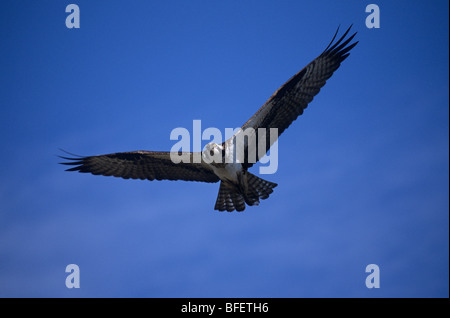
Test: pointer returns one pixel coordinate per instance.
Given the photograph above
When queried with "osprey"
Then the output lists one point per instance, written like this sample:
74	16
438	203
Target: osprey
238	186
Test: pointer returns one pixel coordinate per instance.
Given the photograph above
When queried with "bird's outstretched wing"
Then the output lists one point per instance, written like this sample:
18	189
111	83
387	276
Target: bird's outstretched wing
289	101
150	165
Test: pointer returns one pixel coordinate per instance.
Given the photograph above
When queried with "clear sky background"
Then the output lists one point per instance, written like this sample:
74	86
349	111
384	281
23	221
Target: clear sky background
363	174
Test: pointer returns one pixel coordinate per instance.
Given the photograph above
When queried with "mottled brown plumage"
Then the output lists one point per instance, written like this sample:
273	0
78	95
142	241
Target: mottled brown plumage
238	187
150	165
289	101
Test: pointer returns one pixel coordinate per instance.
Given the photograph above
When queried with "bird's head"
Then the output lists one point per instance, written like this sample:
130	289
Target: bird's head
213	153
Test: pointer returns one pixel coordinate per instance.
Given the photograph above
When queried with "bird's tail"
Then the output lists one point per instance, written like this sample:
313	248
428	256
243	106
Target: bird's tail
230	198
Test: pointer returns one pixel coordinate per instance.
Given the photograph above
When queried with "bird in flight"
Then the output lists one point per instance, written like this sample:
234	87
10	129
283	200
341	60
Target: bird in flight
229	162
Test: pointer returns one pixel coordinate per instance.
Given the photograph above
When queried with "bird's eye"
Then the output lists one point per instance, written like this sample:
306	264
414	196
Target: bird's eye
211	152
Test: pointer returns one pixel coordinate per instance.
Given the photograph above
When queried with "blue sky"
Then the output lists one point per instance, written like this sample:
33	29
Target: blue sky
363	174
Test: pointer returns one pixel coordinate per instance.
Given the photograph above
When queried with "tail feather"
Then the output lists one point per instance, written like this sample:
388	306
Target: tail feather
258	188
230	198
